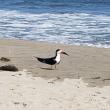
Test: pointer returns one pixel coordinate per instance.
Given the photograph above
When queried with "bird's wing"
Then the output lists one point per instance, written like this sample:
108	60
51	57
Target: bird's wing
46	60
41	59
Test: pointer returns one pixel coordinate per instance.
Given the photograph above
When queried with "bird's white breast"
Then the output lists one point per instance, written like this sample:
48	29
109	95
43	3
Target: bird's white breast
57	59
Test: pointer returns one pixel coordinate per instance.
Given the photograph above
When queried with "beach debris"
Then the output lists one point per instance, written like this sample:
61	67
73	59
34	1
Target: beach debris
24	104
98	77
98	92
9	68
16	103
12	89
4	59
106	79
13	75
19	74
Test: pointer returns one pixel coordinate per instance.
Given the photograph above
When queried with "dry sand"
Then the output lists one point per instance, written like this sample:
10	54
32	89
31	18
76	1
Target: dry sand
80	82
19	91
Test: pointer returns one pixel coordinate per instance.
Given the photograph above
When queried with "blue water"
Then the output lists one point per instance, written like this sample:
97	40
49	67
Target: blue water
81	22
57	6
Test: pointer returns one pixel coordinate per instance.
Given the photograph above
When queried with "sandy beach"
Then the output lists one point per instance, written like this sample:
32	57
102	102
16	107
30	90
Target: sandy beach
80	82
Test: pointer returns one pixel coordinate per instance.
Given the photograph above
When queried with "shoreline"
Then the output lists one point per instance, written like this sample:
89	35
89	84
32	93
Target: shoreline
89	63
46	42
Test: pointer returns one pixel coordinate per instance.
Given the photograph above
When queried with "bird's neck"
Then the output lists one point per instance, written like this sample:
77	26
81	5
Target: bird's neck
57	57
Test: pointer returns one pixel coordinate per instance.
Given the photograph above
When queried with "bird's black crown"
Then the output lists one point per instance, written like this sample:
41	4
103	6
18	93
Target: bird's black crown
58	50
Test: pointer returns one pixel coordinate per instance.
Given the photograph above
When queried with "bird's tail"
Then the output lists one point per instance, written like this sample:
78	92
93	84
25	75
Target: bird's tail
40	59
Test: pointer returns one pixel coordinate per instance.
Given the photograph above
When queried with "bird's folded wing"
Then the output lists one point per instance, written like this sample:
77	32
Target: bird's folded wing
41	59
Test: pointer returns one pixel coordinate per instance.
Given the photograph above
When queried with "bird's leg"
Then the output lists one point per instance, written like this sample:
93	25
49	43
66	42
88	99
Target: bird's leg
55	66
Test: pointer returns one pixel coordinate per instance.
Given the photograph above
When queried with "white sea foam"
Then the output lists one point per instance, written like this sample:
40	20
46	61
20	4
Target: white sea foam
75	28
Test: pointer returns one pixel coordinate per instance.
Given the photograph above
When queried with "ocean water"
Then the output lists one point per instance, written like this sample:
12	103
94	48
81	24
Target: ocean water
79	22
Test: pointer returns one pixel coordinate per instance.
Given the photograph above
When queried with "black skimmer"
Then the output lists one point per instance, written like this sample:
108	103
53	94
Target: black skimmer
52	60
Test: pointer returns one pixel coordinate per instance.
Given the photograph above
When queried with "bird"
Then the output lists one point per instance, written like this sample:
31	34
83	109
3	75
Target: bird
53	60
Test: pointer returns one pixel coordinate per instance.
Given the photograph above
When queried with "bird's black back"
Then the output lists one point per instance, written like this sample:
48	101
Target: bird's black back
50	61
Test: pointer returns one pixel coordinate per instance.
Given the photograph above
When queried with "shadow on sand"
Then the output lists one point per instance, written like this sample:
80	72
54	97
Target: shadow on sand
46	68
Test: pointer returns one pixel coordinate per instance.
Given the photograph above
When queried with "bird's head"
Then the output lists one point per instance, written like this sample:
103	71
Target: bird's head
60	51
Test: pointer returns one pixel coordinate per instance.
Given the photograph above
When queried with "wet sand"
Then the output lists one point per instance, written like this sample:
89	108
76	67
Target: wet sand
91	64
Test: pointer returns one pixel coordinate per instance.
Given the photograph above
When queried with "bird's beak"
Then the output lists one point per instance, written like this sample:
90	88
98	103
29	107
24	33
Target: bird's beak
64	53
